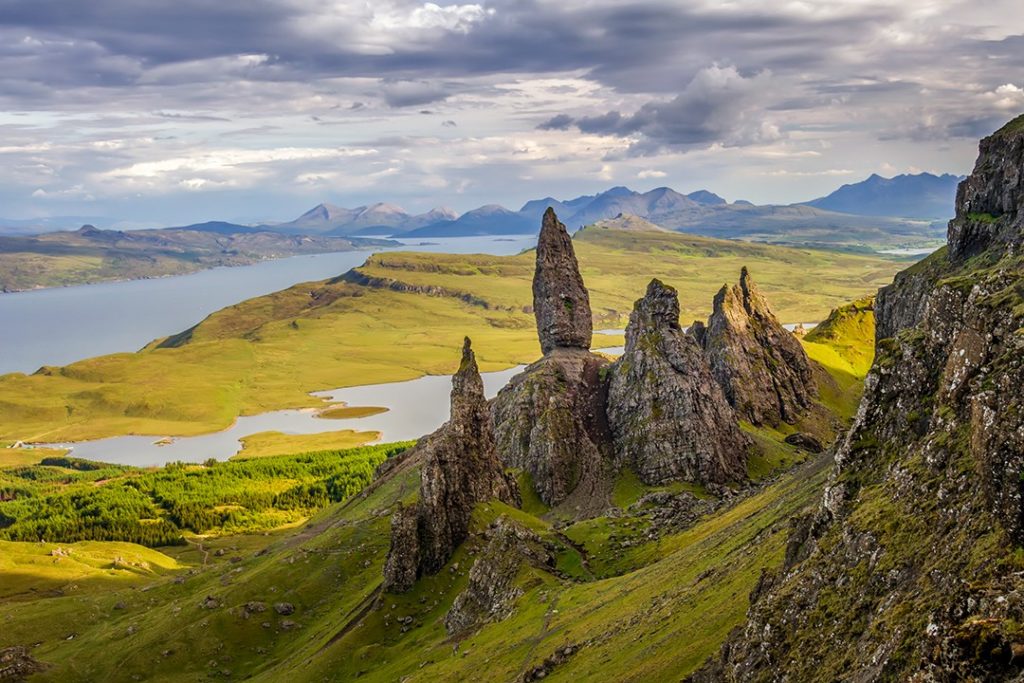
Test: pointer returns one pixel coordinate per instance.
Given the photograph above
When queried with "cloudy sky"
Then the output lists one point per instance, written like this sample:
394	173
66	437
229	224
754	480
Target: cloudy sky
172	111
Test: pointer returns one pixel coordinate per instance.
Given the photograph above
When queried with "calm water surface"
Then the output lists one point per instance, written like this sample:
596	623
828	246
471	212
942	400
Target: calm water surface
415	408
59	326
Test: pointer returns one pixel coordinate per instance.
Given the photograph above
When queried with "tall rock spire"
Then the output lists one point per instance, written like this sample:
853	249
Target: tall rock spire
762	368
668	416
460	469
560	301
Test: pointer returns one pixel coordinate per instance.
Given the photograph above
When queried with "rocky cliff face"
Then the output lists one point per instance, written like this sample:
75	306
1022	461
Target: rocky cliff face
459	469
910	568
668	416
761	367
989	201
560	301
550	422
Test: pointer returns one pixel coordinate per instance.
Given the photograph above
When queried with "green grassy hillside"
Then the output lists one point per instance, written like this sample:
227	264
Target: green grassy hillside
216	617
269	352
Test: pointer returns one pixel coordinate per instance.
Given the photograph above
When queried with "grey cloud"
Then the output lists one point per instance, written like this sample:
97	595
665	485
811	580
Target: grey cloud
413	93
718	105
557	122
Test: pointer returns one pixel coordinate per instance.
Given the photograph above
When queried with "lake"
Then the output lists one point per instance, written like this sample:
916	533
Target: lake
415	408
62	325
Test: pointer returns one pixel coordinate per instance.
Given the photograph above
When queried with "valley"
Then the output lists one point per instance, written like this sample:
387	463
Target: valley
512	342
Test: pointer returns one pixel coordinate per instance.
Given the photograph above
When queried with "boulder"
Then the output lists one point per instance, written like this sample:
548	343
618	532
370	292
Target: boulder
491	592
807	442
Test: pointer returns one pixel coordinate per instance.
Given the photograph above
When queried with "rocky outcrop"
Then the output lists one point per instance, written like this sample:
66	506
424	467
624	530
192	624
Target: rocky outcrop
492	590
560	301
761	367
990	201
550	419
16	664
459	469
402	567
909	569
550	422
668	416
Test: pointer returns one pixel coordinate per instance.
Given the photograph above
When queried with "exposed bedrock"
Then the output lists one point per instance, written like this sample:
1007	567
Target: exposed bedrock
668	416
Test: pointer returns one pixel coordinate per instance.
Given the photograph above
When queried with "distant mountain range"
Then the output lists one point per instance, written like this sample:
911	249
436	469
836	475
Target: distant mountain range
924	195
876	211
376	219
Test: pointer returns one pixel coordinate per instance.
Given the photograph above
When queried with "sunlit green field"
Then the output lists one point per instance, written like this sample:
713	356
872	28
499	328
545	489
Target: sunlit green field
268	353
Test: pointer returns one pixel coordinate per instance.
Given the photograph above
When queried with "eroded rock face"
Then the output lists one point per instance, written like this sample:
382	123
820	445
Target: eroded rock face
990	201
402	567
560	301
550	421
459	469
761	367
668	416
492	592
926	503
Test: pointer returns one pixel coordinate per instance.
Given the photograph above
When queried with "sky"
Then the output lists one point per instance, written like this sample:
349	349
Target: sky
168	112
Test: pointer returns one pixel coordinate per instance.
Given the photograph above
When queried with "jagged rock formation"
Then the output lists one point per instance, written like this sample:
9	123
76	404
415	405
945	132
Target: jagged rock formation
492	591
560	301
763	370
459	469
550	419
910	567
668	416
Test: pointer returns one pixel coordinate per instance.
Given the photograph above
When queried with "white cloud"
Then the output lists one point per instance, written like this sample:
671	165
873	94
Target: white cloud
643	175
227	159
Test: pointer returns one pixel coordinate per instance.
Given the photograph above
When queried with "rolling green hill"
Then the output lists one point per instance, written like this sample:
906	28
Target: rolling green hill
298	605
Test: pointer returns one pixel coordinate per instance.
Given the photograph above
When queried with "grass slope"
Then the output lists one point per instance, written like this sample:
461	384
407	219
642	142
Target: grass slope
269	352
654	622
68	499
